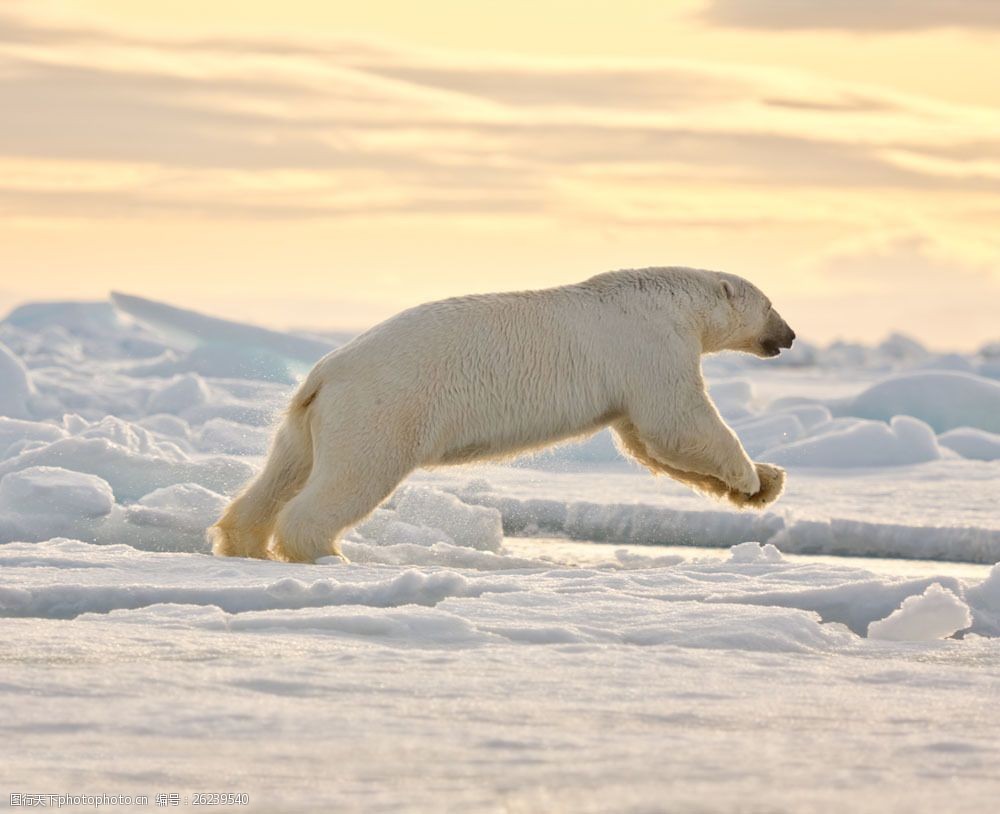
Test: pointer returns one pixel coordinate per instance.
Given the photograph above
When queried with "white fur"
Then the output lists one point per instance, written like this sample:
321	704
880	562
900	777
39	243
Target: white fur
482	377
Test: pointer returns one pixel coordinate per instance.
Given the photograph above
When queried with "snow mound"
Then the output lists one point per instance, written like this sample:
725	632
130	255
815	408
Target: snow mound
51	490
131	460
429	628
902	348
943	399
764	432
949	361
111	482
991	350
984	598
863	538
85	319
221	360
180	394
44	501
423	516
810	416
17	435
186	506
40	503
189	329
903	441
846	596
987	593
937	613
629	560
440	554
69	600
754	553
971	443
16	387
79	329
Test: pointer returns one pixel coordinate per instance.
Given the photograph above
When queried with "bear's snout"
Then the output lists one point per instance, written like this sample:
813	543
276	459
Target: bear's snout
787	339
779	335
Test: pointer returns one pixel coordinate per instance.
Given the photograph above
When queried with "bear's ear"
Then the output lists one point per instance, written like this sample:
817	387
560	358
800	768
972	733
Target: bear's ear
728	290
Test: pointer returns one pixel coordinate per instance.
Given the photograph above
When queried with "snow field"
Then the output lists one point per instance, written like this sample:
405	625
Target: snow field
535	687
68	579
439	666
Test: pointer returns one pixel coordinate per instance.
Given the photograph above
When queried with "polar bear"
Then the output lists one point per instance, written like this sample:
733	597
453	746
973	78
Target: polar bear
490	376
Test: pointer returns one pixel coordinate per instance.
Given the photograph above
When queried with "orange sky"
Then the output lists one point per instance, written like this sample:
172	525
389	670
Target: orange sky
325	164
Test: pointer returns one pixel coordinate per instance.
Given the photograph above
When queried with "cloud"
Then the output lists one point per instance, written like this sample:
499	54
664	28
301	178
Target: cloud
669	87
908	281
233	127
883	263
855	15
128	205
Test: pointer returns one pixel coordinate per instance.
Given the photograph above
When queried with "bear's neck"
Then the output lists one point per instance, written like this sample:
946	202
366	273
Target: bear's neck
714	338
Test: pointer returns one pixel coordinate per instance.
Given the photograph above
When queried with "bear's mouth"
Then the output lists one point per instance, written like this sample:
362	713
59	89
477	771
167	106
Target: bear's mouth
772	346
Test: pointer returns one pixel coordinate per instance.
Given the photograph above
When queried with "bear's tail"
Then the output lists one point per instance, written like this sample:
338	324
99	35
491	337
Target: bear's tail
245	528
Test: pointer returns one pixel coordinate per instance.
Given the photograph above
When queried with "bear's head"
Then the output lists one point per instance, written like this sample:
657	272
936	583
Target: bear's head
744	319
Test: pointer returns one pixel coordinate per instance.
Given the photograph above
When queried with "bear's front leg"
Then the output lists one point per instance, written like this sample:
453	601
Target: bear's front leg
689	441
632	443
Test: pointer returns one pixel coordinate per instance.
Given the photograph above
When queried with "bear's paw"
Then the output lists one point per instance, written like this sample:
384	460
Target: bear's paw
772	484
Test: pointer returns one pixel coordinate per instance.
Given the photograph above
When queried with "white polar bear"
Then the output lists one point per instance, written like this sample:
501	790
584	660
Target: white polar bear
484	377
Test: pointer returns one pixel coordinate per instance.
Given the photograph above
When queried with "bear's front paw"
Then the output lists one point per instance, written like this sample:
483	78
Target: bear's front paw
772	484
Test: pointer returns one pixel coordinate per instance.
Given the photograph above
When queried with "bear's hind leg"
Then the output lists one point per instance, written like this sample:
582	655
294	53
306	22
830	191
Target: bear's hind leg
239	533
336	497
245	527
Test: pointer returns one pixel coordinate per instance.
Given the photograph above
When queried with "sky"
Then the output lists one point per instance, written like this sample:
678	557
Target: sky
326	164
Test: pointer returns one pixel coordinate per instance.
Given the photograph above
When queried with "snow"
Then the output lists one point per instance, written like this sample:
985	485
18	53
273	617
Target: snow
44	501
132	468
463	524
940	510
232	437
183	506
190	330
754	552
477	687
220	360
179	394
935	614
17	435
943	399
137	405
453	666
972	443
16	388
732	397
904	440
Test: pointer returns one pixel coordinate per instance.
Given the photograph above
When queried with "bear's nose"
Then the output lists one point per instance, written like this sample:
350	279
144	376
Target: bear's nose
789	338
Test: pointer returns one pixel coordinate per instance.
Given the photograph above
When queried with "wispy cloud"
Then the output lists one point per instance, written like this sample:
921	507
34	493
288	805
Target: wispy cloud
855	15
363	153
221	127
